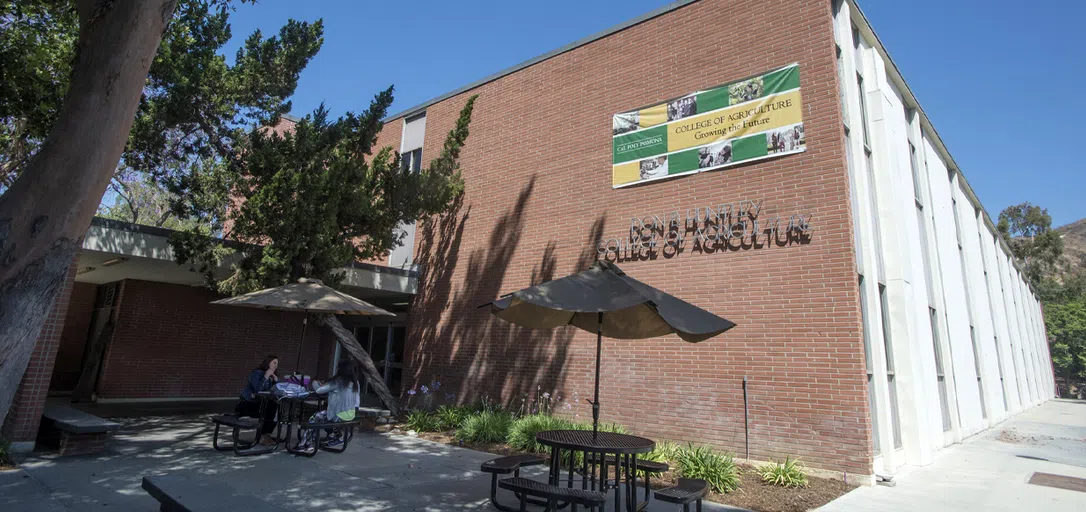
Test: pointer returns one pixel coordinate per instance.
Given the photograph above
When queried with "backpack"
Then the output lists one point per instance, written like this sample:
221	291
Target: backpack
289	390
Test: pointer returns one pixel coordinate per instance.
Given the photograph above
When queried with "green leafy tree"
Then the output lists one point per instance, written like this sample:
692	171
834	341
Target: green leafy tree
136	198
193	106
1066	325
1028	230
309	200
37	45
86	92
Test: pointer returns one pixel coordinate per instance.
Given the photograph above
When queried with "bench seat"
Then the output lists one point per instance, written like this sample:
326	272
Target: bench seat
347	427
554	494
510	464
649	467
70	419
685	492
236	424
504	466
178	493
231	420
74	432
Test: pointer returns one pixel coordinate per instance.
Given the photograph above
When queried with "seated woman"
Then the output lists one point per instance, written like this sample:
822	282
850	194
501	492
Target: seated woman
342	390
262	378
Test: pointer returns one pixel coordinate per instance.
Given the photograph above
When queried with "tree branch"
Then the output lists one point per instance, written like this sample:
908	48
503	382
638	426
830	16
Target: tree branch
117	185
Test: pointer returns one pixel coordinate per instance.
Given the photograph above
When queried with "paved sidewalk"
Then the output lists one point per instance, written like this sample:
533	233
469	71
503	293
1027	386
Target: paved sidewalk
377	472
991	470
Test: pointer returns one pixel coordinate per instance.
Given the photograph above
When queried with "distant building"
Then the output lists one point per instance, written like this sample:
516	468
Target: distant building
772	167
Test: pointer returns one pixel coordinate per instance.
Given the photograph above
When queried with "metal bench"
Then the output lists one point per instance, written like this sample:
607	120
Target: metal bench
75	432
685	492
348	427
183	494
504	466
649	467
554	494
237	424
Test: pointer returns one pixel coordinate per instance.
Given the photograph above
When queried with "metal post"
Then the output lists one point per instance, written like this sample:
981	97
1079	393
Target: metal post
596	399
301	344
746	417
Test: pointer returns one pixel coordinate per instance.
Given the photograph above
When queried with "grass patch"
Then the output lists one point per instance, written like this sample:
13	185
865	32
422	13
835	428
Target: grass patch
784	474
486	427
5	454
522	434
423	421
451	417
719	470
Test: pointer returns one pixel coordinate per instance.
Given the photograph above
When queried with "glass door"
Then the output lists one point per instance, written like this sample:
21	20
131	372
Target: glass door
385	345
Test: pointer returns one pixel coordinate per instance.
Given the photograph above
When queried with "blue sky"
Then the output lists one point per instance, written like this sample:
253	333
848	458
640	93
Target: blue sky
996	77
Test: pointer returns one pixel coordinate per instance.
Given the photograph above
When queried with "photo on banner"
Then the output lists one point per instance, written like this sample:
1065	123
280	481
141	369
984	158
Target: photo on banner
742	121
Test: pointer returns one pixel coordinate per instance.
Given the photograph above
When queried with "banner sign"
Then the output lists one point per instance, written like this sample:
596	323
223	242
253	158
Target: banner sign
756	118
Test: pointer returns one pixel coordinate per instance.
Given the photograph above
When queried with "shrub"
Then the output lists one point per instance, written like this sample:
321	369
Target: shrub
423	421
522	434
451	416
486	427
486	405
5	452
665	451
604	427
719	470
785	474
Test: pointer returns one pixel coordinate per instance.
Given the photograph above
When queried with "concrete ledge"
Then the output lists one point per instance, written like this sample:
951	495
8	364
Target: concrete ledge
22	446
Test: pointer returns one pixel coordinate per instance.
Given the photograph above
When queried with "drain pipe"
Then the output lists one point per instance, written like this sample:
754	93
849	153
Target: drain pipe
746	417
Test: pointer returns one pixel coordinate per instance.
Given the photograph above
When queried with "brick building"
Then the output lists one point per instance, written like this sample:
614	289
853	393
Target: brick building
879	316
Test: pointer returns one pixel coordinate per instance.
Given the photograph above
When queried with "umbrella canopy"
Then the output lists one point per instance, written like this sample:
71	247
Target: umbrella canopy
604	300
634	310
305	296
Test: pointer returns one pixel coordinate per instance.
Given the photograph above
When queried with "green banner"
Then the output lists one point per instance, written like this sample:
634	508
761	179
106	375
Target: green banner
757	117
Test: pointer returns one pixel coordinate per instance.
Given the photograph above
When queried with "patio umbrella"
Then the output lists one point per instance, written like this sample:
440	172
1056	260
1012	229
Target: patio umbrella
305	296
604	300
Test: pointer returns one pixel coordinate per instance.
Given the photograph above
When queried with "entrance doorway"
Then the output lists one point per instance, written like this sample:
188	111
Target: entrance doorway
385	344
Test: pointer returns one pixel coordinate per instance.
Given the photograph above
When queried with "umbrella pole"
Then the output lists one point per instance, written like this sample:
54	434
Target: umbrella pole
301	344
596	399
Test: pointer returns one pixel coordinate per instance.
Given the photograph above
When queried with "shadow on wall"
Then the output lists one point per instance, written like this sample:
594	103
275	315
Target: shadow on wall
474	355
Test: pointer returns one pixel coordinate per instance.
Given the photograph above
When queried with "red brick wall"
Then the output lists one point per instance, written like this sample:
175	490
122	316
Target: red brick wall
169	341
538	198
73	339
25	414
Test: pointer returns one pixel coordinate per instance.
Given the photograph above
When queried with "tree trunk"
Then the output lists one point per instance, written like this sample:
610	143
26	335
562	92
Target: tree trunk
377	383
46	212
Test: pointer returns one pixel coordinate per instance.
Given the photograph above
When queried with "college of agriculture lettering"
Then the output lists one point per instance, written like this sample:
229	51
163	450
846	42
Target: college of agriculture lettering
751	119
735	225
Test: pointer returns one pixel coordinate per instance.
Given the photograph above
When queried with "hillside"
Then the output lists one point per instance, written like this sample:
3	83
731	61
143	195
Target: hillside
1074	245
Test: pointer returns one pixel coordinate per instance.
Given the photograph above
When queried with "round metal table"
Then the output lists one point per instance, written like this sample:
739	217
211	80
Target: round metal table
596	448
295	410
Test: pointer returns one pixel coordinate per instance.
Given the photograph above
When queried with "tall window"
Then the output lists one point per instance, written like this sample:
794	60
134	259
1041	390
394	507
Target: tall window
870	364
1007	314
411	160
921	221
976	364
968	302
991	305
940	375
884	306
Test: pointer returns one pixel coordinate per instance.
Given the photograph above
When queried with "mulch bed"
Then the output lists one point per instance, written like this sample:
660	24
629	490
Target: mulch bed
752	494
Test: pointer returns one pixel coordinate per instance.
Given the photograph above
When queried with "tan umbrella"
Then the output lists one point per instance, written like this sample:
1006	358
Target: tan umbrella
305	296
634	310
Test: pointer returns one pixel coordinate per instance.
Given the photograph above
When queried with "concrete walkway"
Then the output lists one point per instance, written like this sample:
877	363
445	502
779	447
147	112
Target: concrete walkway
378	472
991	470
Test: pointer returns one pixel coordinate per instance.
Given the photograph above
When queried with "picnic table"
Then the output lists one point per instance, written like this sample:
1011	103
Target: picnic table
599	449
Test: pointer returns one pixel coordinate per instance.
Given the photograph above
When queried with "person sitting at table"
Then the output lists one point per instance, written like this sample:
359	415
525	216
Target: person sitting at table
262	378
342	391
